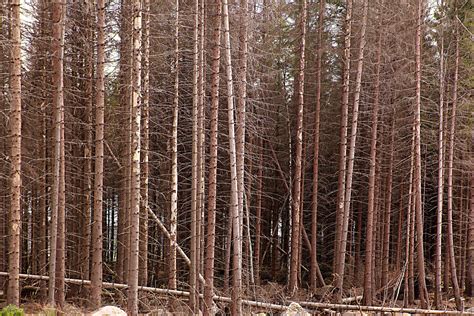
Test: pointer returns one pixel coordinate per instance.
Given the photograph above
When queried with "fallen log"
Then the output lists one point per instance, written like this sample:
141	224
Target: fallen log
271	306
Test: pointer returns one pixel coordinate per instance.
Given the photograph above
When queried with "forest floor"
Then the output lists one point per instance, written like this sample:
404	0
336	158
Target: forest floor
158	304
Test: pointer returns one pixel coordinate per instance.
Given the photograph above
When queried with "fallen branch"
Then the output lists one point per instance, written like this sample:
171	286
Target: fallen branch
224	299
167	234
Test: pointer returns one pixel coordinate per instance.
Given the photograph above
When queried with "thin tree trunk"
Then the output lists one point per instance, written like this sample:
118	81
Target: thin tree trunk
145	168
174	159
368	277
97	238
439	213
135	163
13	292
469	291
341	183
216	11
240	117
418	191
314	211
58	16
88	137
296	201
388	210
258	219
235	211
451	254
196	177
351	156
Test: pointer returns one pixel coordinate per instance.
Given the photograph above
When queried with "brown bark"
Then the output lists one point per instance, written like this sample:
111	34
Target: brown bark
196	177
296	201
58	16
97	238
417	178
13	292
216	11
145	143
368	274
451	145
351	156
314	206
439	213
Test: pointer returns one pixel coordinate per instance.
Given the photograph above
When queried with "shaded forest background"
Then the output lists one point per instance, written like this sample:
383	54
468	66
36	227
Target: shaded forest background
122	104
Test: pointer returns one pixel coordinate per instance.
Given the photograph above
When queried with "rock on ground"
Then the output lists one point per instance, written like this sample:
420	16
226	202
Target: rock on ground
295	309
109	311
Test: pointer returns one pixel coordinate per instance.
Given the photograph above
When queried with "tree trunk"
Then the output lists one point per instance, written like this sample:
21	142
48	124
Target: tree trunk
97	238
216	11
135	162
235	211
341	183
174	160
296	201
145	168
13	292
314	211
452	134
368	277
418	192
439	213
58	16
351	155
196	177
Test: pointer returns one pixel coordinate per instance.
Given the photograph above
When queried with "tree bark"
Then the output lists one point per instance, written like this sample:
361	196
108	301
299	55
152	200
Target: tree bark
418	191
296	201
97	238
368	277
235	211
58	16
341	183
174	159
439	213
216	12
451	254
351	155
135	162
317	119
13	292
145	168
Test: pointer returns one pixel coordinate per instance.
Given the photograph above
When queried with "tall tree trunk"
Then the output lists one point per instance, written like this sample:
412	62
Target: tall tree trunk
368	277
216	12
13	292
240	117
351	155
296	201
418	191
88	138
388	209
341	182
97	238
135	162
439	213
145	168
235	211
314	206
196	177
174	159
258	215
469	291
58	16
451	145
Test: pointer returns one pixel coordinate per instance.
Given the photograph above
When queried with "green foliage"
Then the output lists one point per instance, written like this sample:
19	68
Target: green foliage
11	310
